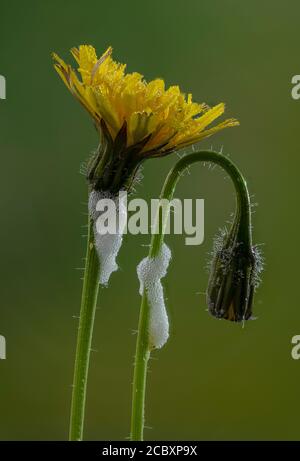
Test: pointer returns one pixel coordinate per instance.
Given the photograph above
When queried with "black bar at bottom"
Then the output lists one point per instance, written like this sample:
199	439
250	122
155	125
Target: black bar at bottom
135	450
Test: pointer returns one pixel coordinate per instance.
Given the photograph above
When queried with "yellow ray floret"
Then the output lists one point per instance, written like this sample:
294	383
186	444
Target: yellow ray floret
166	116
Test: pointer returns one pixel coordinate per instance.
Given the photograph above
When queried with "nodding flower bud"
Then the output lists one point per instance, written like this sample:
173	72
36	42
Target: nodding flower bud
234	276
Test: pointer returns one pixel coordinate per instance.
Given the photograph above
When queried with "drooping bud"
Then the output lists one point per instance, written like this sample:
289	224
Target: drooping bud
234	276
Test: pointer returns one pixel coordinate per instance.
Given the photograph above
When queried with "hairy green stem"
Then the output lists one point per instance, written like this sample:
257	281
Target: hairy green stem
140	371
84	337
243	213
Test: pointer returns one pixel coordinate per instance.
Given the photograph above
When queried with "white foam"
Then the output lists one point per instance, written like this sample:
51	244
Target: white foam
150	272
108	241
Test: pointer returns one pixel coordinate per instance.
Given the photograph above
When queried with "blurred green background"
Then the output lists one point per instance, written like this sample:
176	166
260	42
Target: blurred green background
213	380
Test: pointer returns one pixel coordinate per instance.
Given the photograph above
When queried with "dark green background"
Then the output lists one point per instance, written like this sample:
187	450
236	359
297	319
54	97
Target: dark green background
213	380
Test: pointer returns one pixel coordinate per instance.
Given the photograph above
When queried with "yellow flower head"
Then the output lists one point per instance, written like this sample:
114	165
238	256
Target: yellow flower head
144	117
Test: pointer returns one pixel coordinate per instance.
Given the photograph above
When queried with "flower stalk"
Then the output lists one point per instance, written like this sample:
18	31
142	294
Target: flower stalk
84	338
240	233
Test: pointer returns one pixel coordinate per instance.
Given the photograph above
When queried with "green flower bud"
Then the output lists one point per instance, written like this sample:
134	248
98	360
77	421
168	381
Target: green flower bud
234	276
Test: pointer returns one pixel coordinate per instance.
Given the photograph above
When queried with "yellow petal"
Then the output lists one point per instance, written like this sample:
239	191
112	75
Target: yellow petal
107	92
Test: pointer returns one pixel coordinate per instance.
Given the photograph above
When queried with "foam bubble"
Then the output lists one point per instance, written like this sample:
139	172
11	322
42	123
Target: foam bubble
108	240
150	272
